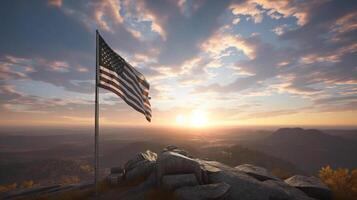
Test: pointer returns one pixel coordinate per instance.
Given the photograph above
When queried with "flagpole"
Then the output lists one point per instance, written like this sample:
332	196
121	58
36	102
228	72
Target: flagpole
96	134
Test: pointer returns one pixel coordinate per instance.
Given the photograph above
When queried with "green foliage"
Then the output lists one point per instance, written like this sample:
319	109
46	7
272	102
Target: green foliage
342	182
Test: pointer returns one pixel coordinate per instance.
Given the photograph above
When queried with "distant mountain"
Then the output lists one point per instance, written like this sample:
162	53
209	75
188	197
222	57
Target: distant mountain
308	149
348	134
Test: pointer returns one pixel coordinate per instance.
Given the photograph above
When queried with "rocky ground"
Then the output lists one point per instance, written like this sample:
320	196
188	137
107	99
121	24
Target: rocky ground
188	178
175	174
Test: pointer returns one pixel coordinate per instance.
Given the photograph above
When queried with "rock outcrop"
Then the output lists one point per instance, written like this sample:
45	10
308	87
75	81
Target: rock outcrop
217	191
172	182
257	172
192	178
174	163
141	166
312	186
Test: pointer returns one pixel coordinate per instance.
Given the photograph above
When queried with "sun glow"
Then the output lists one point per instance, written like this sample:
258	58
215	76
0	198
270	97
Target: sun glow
197	118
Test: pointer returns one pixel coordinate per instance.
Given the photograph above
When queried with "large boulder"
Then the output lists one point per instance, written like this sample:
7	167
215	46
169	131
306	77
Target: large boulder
217	191
139	192
175	149
141	166
116	170
245	187
259	173
174	163
146	156
312	186
284	191
115	178
172	182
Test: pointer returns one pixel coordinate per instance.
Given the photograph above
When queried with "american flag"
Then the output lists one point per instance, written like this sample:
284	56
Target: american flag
118	76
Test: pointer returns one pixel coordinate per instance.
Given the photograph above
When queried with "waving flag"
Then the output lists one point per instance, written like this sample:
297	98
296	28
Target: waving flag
119	77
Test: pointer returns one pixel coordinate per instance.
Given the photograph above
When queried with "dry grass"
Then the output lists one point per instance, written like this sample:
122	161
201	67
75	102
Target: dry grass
342	182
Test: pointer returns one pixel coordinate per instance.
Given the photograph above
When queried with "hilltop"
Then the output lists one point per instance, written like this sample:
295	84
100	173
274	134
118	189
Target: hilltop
175	174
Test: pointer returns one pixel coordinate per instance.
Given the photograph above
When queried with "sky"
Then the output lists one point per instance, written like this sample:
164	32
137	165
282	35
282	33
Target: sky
216	63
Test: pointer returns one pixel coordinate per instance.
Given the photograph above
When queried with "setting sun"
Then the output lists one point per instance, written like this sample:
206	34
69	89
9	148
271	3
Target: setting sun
196	118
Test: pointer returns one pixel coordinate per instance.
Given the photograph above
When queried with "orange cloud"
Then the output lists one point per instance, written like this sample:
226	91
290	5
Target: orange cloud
219	42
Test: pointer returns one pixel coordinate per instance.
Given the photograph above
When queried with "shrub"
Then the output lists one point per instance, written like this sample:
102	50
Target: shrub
27	184
7	187
65	180
342	182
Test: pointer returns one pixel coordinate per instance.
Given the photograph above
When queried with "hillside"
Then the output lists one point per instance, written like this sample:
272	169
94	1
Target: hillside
175	174
237	154
46	171
71	158
308	149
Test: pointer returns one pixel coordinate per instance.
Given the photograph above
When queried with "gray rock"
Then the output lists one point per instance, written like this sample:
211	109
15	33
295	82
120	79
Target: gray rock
116	170
245	187
141	191
141	170
176	150
172	182
141	166
115	179
259	173
312	186
182	152
217	191
148	156
284	191
174	163
213	166
170	147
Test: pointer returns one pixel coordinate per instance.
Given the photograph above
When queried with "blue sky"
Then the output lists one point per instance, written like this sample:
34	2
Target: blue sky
248	62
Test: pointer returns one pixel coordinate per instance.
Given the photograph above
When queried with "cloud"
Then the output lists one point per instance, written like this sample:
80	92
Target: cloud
247	8
185	34
57	73
188	50
15	101
55	3
281	29
262	65
220	41
6	73
344	24
275	9
336	99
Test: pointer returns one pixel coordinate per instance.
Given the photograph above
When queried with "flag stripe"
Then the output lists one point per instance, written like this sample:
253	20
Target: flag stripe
109	87
144	93
120	82
125	80
135	78
139	75
125	93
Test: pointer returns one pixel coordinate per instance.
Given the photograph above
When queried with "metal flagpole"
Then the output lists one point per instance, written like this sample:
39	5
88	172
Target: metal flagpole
96	134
